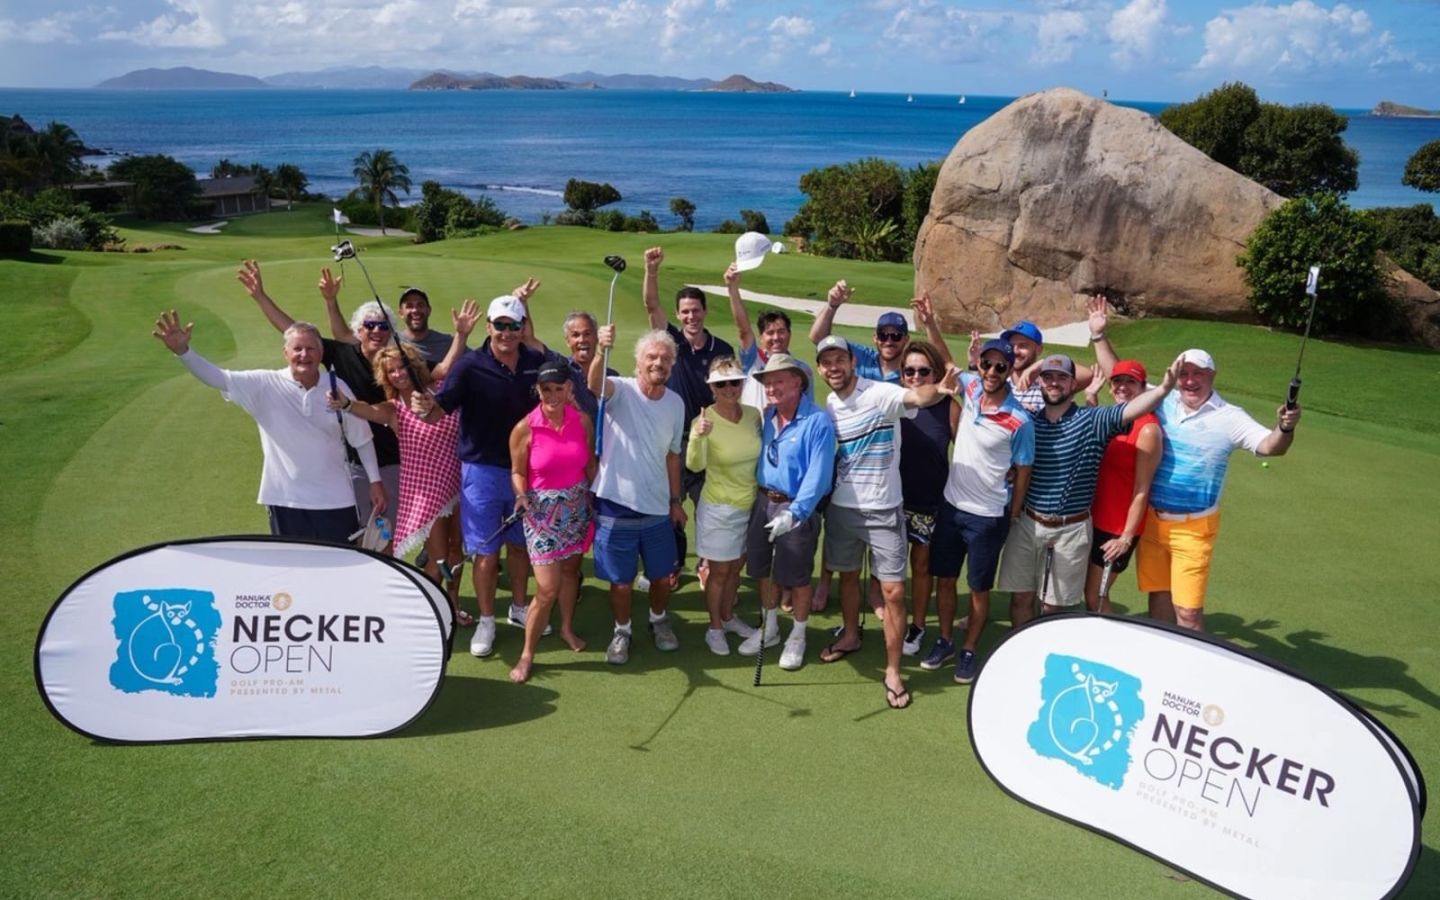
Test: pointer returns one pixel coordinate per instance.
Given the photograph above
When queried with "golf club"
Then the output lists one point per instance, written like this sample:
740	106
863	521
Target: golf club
346	250
340	420
1312	287
760	654
1105	584
504	524
617	263
1045	578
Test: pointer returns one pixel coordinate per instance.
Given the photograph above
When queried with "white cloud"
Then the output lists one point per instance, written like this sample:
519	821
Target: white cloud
821	49
792	27
940	32
1057	36
1298	37
1136	29
188	24
56	28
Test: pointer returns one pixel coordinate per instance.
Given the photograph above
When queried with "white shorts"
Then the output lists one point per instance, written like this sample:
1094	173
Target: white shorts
720	531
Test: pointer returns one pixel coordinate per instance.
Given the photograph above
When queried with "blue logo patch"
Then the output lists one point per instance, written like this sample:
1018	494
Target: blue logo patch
167	642
1087	714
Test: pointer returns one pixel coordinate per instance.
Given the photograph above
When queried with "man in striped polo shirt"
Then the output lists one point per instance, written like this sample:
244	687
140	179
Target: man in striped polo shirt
1201	430
1069	442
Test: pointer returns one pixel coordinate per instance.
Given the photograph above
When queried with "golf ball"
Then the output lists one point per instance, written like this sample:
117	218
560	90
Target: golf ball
1264	465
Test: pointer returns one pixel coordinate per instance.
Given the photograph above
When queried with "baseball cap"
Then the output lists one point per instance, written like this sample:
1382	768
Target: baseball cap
1001	347
1025	329
1131	368
780	362
1058	363
833	342
892	320
1198	358
413	291
553	373
506	307
750	250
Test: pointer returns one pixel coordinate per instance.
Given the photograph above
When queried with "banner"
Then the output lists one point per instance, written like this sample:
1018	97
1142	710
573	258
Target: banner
243	638
1225	765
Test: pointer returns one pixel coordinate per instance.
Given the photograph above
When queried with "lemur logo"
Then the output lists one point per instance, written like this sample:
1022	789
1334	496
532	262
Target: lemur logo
166	642
1087	714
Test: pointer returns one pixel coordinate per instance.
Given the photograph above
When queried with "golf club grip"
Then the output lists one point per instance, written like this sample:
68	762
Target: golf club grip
600	428
760	653
1294	396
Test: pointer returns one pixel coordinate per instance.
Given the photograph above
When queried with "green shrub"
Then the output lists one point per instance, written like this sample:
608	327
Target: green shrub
848	205
730	226
683	210
1317	229
588	195
610	220
755	221
915	204
644	222
1410	235
1422	171
582	217
61	233
15	236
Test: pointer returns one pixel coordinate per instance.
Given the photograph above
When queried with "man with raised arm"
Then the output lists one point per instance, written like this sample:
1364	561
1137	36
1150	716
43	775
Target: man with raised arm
637	490
304	480
1029	345
1201	431
892	335
756	349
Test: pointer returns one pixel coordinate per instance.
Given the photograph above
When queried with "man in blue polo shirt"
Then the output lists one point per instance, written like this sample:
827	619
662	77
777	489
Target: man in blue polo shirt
1029	346
494	388
1069	442
994	434
797	463
892	336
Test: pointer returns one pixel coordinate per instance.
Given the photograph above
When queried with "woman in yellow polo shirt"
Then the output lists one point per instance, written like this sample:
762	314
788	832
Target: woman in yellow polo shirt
725	445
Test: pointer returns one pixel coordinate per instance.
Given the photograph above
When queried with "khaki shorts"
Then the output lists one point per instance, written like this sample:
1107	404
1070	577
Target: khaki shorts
849	532
1023	563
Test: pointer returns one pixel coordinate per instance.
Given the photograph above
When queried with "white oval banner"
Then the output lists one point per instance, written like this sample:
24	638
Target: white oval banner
243	638
1217	762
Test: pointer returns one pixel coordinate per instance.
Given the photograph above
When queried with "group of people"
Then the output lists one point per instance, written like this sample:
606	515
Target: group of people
1006	465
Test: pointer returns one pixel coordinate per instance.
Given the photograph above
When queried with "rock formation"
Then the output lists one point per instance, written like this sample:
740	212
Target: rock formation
1060	195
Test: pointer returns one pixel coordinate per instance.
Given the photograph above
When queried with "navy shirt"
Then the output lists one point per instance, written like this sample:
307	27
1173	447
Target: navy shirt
491	399
351	366
580	382
692	369
925	457
1067	458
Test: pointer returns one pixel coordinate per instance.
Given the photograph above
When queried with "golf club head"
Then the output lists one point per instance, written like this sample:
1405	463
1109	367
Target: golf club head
343	250
614	262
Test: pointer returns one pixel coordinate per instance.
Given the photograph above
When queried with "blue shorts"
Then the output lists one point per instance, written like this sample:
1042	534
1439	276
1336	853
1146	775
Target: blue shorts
620	544
959	534
486	498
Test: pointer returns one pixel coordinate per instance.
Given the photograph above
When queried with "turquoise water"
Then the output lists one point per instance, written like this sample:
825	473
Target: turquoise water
724	152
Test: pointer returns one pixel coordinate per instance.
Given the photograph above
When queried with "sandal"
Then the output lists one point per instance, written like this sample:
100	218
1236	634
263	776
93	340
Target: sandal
835	653
897	699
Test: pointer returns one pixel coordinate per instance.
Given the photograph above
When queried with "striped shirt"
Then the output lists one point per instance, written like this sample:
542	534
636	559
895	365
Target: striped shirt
1067	458
986	446
1197	452
867	434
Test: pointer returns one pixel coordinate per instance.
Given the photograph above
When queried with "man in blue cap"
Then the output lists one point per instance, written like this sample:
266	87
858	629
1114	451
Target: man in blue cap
892	336
1029	346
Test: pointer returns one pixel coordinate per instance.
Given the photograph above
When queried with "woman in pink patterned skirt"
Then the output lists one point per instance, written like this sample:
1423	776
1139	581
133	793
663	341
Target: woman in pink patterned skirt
429	466
552	461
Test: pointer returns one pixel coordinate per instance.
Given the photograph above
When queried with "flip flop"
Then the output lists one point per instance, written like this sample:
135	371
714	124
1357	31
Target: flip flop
835	653
897	699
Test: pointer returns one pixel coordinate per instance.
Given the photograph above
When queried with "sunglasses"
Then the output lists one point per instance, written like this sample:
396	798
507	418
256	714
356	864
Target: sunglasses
375	326
890	337
1001	367
506	325
729	383
921	371
772	451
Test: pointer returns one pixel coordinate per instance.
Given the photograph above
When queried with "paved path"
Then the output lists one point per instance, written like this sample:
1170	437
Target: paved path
375	232
861	315
212	228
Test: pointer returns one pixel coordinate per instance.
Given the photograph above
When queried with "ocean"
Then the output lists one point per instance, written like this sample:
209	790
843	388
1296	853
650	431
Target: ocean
724	152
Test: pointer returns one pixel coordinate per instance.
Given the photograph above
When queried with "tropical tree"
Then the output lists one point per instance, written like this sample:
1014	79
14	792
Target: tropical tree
227	169
683	210
1422	171
163	186
265	185
380	175
291	182
59	149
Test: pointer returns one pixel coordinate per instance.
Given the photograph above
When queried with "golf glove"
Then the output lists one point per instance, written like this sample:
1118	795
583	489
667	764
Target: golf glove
781	524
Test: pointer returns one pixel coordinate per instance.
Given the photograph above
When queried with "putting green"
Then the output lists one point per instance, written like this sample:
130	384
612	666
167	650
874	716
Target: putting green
671	776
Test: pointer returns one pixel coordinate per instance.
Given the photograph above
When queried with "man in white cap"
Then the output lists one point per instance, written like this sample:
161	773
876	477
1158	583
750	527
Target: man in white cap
1201	431
771	333
493	386
865	511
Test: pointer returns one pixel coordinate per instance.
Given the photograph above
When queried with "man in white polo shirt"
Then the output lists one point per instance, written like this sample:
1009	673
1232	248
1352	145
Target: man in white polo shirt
304	480
1201	431
866	506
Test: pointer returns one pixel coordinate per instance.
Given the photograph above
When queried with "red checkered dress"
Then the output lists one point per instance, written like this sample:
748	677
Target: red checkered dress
429	475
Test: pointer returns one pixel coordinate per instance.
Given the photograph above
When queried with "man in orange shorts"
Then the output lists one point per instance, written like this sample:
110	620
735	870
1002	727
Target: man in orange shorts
1201	431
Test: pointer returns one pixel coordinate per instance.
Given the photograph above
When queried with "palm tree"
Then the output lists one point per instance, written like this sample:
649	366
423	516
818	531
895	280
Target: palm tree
291	181
59	149
265	182
380	174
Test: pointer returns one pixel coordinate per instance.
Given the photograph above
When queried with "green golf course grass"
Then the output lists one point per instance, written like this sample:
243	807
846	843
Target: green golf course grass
672	776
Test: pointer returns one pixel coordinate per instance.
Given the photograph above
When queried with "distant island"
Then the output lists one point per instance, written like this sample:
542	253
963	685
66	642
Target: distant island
182	78
1387	108
739	84
399	79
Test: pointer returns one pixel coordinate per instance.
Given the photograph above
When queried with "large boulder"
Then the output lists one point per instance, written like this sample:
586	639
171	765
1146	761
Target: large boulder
1060	195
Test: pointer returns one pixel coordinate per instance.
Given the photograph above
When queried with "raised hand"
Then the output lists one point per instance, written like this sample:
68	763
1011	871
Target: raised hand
1099	315
950	384
1172	374
605	337
702	424
421	403
466	319
1288	417
653	258
924	309
1092	393
329	285
732	276
168	330
840	293
973	353
249	278
524	291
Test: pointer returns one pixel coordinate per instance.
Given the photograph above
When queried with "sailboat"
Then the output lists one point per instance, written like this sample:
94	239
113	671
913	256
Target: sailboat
852	95
962	99
909	98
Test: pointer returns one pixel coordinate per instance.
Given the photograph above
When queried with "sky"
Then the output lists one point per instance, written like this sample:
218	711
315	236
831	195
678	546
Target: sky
1350	55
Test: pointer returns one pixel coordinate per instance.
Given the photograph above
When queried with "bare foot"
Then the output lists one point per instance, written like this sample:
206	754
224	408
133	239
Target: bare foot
879	612
521	673
821	599
572	640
